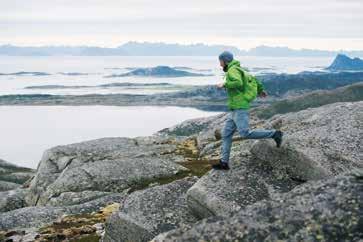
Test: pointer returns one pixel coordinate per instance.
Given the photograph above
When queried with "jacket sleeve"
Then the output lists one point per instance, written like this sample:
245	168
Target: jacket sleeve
234	79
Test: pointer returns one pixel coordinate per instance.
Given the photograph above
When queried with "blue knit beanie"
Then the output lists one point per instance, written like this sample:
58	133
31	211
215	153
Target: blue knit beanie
226	56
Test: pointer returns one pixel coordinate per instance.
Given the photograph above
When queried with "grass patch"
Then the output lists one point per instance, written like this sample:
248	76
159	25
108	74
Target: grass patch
198	167
140	185
77	228
87	238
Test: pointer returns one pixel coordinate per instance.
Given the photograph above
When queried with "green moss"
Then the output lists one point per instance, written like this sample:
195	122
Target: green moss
188	148
198	167
145	183
73	221
87	238
77	227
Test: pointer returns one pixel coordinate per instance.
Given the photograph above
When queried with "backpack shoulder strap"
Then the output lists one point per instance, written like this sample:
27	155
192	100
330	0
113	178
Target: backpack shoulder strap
243	77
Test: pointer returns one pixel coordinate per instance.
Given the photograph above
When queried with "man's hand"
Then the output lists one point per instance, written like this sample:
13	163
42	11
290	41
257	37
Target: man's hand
220	85
263	94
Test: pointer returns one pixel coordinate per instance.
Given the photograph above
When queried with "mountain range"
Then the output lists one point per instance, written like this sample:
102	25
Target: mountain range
165	49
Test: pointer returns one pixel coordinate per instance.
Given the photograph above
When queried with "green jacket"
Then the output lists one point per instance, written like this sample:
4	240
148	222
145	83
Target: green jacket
234	86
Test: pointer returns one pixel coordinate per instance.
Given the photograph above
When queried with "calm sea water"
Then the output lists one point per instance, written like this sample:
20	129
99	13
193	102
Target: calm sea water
94	70
25	132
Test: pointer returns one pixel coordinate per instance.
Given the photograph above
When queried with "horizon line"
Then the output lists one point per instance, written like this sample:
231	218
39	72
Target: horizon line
176	43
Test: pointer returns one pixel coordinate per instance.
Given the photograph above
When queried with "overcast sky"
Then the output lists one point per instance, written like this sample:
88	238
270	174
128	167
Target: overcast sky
319	24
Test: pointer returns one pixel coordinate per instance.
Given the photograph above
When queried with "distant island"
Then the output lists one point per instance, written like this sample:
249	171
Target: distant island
165	49
158	71
117	84
209	97
344	63
25	73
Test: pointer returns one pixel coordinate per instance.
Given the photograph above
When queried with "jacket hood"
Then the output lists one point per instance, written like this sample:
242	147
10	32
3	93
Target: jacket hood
233	63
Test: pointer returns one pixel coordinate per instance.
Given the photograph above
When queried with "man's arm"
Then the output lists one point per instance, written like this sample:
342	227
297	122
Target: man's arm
260	87
233	79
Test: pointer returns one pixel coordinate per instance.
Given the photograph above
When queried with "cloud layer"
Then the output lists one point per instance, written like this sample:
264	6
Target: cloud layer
332	24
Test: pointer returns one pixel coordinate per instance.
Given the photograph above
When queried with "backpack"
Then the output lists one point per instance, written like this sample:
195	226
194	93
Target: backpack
250	85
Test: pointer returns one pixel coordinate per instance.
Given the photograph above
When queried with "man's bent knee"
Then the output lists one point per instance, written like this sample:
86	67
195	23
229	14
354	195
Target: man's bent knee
244	133
227	134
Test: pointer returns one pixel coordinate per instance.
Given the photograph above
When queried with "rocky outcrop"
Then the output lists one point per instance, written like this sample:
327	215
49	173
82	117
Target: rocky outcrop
76	180
152	211
104	165
35	217
13	199
344	63
284	84
6	186
318	142
158	71
79	227
327	210
29	217
195	126
223	193
73	198
351	93
296	192
12	176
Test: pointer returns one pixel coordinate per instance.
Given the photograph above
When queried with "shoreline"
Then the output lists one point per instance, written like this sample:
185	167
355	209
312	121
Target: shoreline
204	97
29	130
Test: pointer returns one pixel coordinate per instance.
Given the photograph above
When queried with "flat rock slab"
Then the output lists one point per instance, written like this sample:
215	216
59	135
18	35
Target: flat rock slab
319	142
103	165
327	210
73	198
34	217
13	176
224	192
6	186
13	199
29	217
149	212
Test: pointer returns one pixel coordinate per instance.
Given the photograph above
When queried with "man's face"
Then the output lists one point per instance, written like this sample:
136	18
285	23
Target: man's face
221	63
